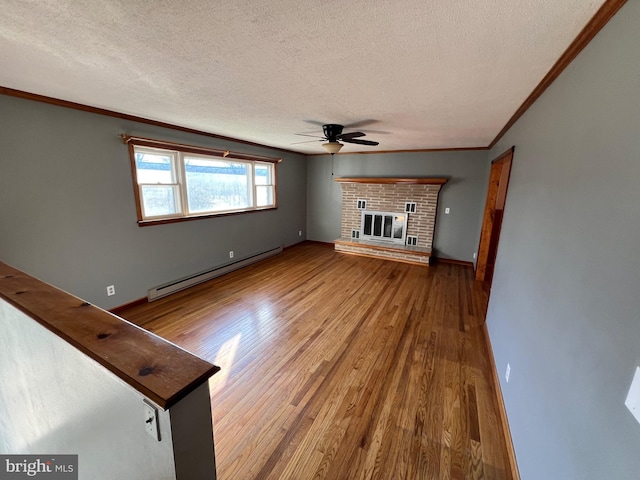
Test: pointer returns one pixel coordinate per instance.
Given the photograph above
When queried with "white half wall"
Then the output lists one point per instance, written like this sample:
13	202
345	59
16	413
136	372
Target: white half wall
56	400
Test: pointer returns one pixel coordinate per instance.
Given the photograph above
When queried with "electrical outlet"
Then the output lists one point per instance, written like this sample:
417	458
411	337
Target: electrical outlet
299	233
507	373
447	210
111	290
230	253
151	420
475	254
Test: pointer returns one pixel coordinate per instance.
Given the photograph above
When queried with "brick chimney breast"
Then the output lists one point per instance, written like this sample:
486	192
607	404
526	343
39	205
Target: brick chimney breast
390	195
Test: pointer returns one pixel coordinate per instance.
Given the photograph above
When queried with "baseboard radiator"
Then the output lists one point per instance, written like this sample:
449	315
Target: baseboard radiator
190	281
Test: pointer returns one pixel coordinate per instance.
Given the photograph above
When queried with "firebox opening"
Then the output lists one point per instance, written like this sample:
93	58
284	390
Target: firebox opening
384	226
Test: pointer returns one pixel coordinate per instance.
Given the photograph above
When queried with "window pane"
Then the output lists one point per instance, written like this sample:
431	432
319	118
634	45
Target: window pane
367	224
263	174
159	200
216	185
264	195
398	227
154	168
377	225
388	220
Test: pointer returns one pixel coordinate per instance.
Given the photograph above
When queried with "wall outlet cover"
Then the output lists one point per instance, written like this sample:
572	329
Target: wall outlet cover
633	397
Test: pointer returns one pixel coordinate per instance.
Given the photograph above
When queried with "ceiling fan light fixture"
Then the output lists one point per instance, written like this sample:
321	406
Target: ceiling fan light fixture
332	147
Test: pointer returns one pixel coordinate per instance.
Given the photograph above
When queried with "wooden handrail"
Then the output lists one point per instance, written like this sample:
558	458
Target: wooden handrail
158	369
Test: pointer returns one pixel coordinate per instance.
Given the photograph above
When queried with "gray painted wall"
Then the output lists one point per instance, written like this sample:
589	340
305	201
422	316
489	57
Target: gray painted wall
565	302
456	235
68	215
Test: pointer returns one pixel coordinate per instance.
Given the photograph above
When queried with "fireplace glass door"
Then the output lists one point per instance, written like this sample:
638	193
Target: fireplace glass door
385	226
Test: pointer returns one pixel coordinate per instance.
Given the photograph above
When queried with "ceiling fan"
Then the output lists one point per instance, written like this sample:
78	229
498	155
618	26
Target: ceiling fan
333	136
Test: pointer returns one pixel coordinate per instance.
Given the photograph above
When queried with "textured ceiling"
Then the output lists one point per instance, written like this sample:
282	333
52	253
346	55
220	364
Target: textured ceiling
425	74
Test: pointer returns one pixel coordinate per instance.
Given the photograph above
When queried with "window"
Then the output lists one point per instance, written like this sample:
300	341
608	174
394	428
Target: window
176	182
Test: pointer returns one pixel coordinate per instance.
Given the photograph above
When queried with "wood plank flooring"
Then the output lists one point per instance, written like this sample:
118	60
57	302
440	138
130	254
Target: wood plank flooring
342	367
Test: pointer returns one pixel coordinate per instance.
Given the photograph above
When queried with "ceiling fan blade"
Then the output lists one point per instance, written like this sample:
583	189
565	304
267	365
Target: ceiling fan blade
307	135
308	141
315	122
376	132
359	142
349	135
362	123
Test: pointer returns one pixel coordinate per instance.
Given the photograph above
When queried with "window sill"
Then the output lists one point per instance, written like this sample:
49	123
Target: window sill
161	221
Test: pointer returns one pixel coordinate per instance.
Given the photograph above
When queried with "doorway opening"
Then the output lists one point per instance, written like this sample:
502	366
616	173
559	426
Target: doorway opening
493	213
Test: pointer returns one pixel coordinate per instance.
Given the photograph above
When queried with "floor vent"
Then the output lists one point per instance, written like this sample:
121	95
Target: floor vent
190	281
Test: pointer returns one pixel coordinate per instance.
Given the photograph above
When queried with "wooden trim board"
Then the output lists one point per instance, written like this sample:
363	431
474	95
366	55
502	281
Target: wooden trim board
608	9
453	261
597	22
392	181
159	370
12	92
125	306
498	184
502	410
417	150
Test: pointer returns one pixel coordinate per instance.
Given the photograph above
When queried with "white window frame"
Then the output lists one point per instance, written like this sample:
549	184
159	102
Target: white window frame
255	185
178	175
178	154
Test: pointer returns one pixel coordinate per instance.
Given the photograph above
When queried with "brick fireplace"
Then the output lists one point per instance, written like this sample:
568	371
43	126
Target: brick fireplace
373	210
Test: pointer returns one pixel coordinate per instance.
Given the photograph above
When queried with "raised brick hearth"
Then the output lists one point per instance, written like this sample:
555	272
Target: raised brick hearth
390	195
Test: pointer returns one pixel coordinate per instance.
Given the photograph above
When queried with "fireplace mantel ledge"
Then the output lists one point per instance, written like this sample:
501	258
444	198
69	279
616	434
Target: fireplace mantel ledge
392	181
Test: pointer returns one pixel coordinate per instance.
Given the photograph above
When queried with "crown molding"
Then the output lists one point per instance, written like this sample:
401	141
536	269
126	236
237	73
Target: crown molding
597	23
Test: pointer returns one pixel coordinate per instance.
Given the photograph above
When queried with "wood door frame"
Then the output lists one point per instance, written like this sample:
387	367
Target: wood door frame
497	192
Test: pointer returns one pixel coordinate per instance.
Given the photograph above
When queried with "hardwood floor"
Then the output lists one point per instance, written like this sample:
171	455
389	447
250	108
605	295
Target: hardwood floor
342	367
